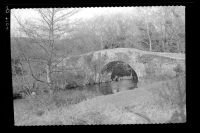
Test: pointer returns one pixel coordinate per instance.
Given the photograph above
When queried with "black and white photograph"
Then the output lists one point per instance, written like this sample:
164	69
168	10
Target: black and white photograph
98	65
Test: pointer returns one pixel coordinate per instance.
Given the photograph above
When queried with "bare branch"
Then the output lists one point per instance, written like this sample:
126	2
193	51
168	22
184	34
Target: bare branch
55	64
69	14
44	33
28	61
33	37
44	17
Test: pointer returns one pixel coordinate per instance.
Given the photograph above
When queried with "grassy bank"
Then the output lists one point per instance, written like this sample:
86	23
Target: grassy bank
38	105
158	102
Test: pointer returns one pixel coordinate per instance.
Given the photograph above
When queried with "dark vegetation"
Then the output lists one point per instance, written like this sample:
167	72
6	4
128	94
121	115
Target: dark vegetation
17	96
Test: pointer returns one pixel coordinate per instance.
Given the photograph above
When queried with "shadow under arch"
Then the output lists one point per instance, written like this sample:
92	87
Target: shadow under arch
120	70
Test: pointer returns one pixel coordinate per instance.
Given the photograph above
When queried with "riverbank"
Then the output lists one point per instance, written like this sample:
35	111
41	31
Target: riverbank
91	107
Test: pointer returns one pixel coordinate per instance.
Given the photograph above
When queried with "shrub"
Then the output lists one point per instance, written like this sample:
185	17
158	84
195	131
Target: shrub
173	92
68	80
59	98
41	102
17	67
178	69
23	85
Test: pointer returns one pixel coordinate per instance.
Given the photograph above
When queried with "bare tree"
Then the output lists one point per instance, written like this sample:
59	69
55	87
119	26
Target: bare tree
164	25
146	14
170	20
52	25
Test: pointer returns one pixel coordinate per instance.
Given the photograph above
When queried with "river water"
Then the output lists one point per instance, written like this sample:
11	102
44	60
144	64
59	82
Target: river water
111	87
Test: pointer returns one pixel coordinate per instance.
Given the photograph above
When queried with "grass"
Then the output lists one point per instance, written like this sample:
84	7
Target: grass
173	93
93	117
36	106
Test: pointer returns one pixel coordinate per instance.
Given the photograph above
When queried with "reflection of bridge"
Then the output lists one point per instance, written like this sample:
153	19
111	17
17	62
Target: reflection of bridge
123	85
138	60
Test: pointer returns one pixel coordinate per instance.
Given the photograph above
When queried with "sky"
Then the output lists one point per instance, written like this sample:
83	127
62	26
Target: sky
85	13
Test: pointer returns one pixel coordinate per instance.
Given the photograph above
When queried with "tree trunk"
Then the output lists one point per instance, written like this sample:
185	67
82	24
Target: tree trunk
149	37
49	81
99	57
163	46
48	76
100	66
178	46
163	37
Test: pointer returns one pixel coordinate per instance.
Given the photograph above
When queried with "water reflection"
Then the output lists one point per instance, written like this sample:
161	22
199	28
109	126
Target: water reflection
111	87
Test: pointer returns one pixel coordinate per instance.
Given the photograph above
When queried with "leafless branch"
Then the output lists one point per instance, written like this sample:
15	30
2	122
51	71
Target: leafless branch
28	32
51	26
28	61
68	14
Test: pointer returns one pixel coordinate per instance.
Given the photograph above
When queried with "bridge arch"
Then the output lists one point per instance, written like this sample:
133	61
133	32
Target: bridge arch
120	70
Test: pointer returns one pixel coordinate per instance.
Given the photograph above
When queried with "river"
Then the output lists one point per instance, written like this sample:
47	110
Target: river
106	88
111	87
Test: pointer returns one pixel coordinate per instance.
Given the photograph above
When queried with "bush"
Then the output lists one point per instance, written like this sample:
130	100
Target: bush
59	98
174	92
68	80
23	85
179	70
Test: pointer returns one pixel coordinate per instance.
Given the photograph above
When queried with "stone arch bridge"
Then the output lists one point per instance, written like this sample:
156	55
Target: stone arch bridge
93	65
